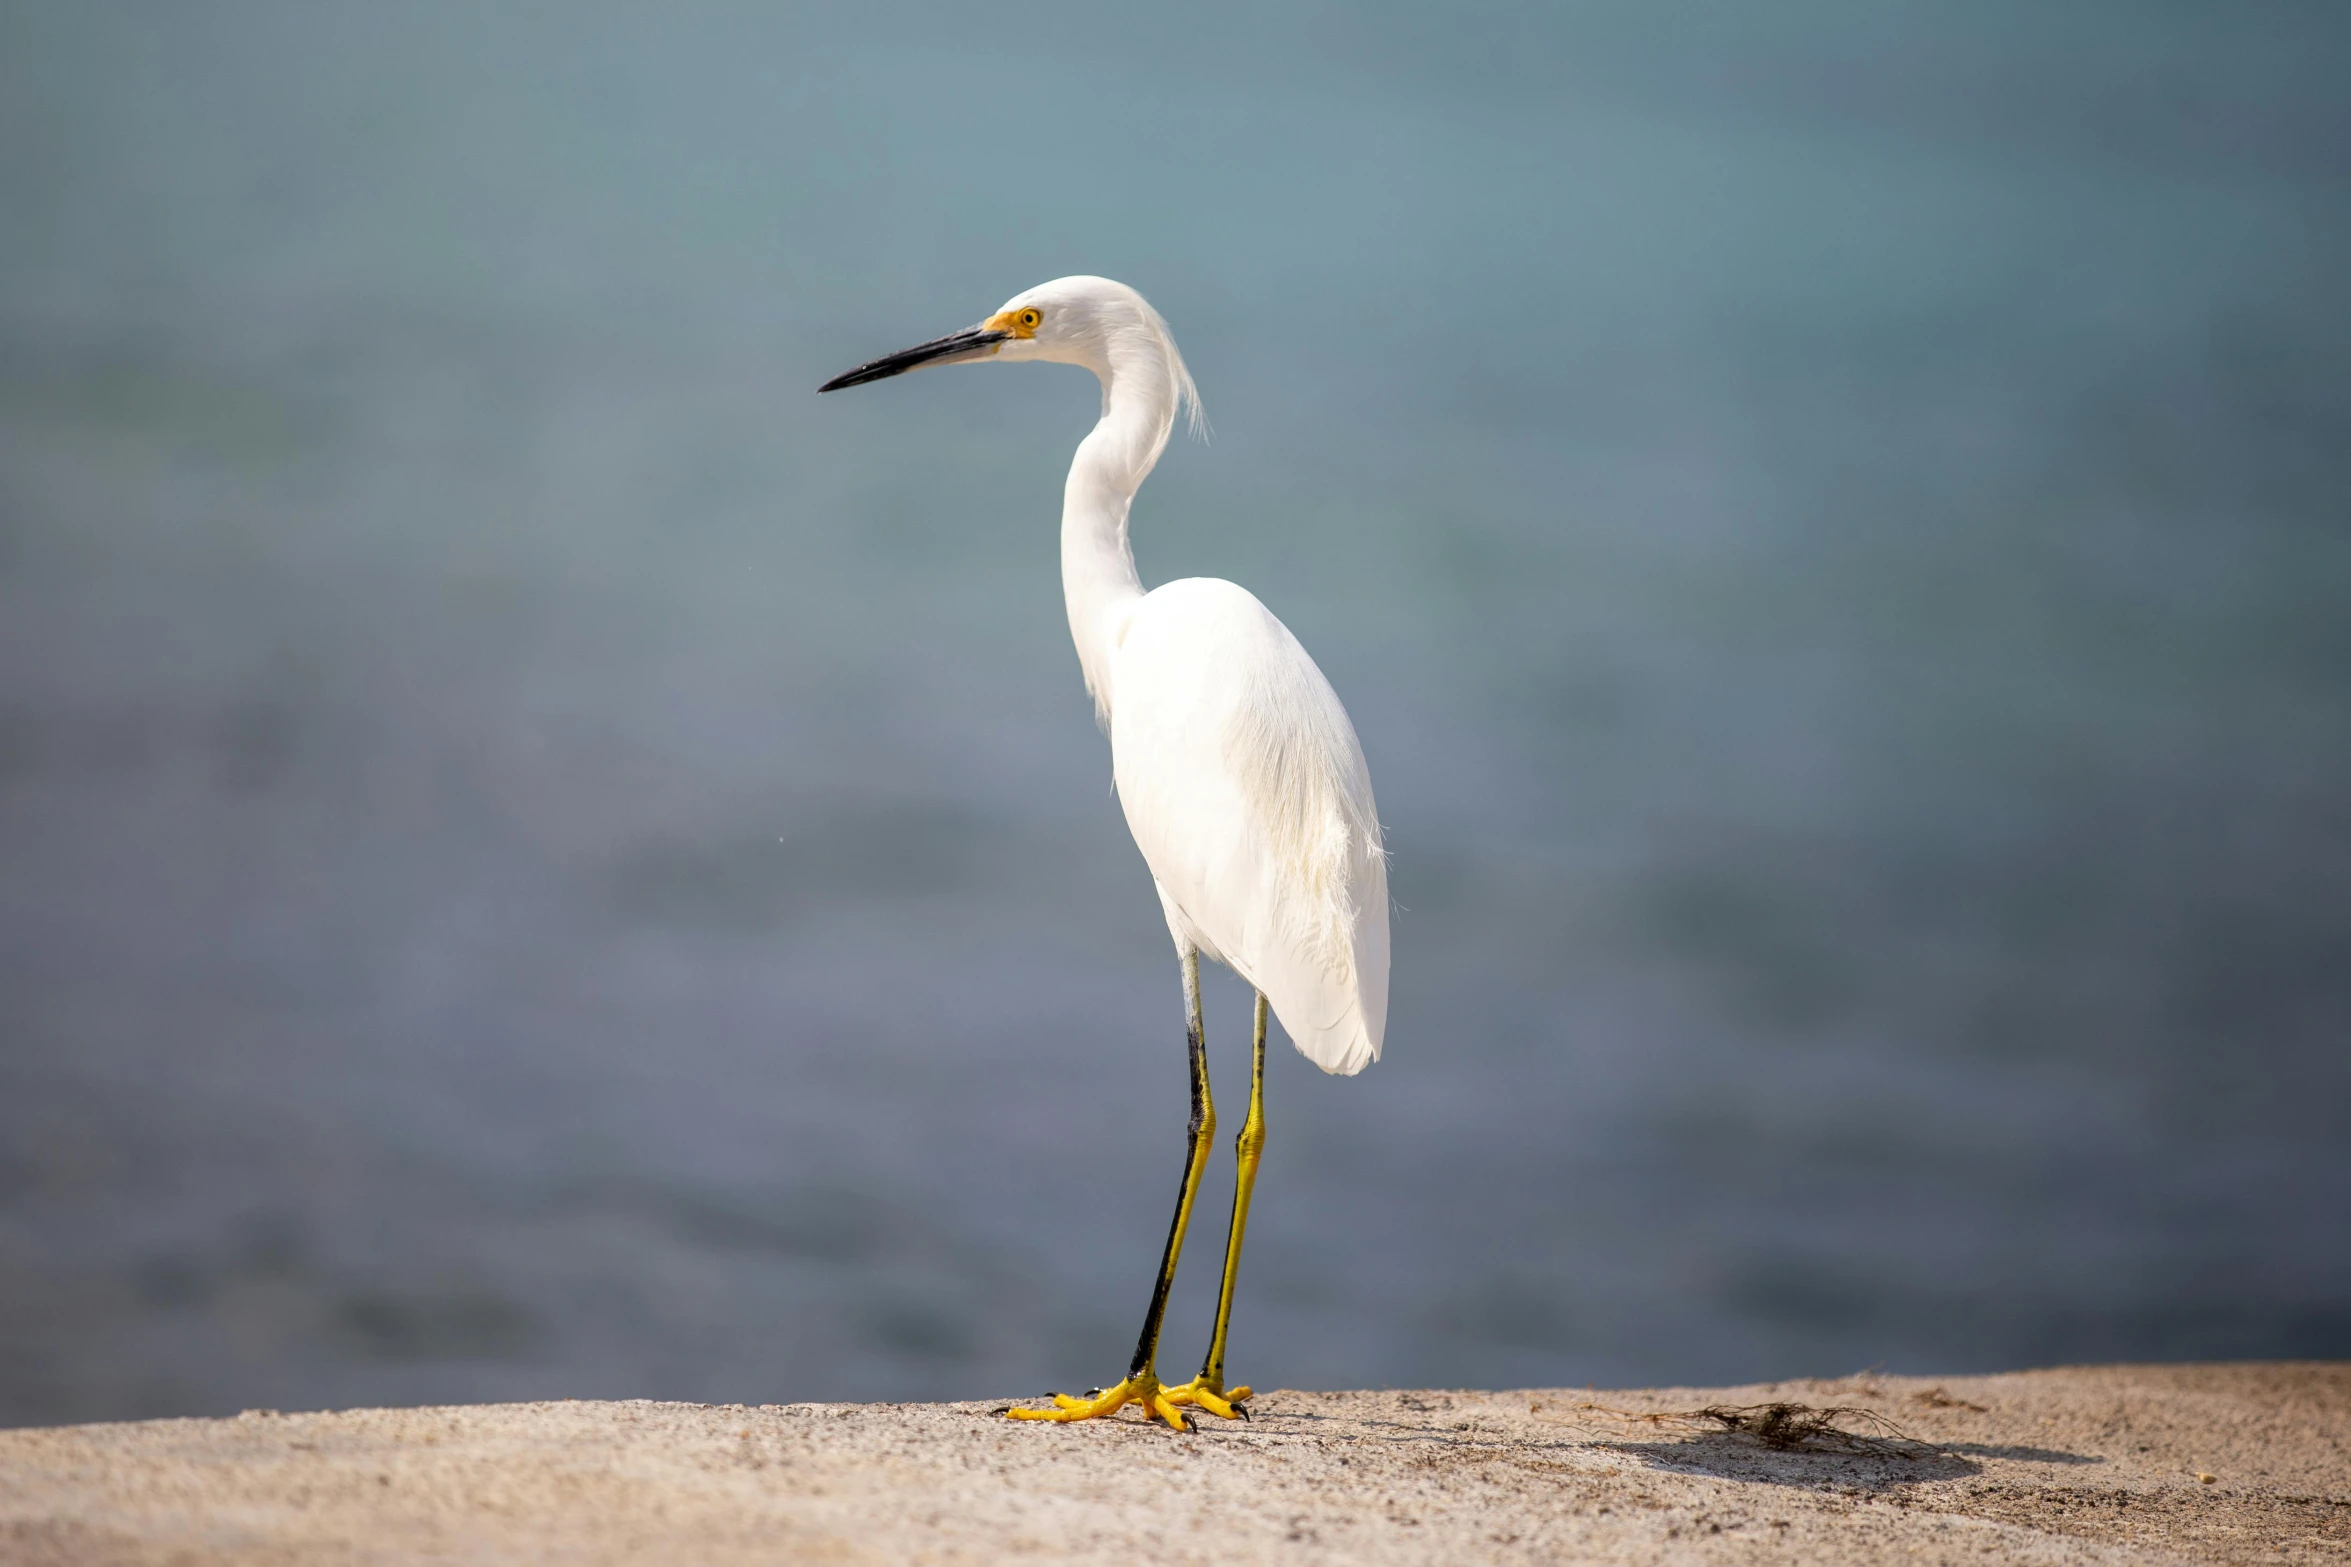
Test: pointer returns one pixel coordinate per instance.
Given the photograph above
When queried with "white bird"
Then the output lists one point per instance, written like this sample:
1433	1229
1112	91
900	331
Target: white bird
1240	775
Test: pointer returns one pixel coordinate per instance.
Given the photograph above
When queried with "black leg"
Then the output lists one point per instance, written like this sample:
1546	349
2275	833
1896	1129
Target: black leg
1196	1140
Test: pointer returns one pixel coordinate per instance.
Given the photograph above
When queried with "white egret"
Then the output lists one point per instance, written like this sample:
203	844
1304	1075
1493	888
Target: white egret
1238	770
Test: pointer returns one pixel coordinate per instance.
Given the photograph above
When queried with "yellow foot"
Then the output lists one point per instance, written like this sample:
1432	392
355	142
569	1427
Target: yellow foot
1211	1397
1142	1390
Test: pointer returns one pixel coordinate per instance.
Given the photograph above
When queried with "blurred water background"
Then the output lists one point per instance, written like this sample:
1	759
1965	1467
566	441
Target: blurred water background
539	858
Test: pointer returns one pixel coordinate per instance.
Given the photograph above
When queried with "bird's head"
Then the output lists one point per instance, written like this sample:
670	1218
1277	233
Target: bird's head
1107	327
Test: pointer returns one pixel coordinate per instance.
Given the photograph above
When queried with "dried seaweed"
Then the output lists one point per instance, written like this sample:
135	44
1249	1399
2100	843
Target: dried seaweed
1788	1427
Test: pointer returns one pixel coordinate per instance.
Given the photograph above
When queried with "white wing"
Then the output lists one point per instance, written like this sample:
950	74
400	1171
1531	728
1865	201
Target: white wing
1246	791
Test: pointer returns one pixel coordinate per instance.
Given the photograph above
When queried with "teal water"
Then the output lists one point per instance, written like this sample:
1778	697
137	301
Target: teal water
539	858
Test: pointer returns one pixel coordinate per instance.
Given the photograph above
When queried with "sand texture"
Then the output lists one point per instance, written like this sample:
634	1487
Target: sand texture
2100	1464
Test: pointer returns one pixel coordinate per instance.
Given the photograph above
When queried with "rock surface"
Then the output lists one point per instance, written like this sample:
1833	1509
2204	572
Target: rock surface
2233	1463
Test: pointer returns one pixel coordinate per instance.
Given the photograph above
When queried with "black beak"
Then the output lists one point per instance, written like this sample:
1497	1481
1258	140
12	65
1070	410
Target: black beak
955	348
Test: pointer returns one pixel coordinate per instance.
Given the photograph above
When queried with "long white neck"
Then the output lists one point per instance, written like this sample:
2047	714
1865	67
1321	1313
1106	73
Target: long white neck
1139	395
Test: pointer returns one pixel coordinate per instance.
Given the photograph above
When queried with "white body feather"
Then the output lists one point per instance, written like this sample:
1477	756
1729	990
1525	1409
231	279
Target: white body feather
1246	791
1240	774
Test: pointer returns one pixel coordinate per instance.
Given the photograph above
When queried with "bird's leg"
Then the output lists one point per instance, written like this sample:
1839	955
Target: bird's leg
1141	1385
1207	1389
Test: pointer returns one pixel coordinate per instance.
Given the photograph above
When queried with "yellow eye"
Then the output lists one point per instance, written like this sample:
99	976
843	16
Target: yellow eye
1016	323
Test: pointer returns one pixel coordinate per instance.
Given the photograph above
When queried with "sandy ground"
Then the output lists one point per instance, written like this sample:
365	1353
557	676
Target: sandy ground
2240	1463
